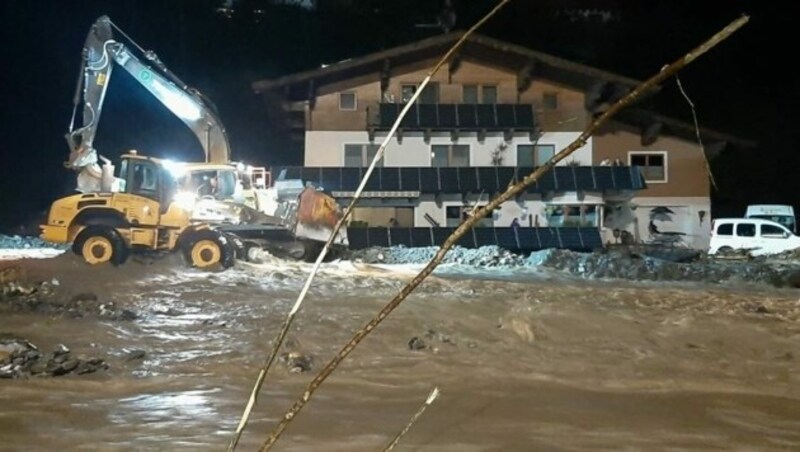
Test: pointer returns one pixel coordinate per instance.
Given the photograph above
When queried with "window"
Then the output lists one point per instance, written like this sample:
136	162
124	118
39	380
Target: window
450	155
746	230
529	155
525	155
347	101
360	155
406	91
455	214
430	95
543	153
550	101
488	94
725	229
772	232
470	94
571	215
652	164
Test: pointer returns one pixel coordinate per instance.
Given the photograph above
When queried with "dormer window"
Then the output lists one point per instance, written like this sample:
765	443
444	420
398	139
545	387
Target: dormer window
348	101
550	101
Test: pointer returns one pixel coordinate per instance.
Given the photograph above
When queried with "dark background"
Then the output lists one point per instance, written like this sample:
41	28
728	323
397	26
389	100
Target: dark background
744	87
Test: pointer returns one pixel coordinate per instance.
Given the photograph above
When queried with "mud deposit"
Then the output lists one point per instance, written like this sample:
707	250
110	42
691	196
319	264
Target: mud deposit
526	360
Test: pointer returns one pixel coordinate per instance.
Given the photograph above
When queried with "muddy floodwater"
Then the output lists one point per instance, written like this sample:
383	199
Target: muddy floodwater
525	361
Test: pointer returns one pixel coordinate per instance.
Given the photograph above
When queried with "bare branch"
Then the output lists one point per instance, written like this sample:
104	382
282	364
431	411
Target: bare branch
431	398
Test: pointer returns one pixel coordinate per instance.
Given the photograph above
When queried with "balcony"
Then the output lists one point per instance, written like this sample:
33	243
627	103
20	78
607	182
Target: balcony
441	117
391	181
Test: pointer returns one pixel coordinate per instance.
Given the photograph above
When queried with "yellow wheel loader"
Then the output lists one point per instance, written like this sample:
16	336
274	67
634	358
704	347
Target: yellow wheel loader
142	216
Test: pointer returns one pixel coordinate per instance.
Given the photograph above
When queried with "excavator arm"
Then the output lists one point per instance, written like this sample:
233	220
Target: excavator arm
101	53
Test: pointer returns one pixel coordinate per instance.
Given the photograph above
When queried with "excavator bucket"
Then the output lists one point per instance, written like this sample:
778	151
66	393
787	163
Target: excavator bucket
317	215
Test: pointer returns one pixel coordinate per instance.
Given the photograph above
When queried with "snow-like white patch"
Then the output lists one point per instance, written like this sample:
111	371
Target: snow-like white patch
11	254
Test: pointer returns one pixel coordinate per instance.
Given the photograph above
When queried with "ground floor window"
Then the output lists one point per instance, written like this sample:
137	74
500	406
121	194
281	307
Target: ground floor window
572	215
455	214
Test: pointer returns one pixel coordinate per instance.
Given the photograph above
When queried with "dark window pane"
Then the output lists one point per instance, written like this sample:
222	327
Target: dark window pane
470	94
544	152
347	101
430	95
525	155
768	230
550	101
489	94
725	229
439	155
407	91
746	230
459	155
353	155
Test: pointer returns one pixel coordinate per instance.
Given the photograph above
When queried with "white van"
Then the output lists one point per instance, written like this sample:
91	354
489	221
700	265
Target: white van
760	236
782	214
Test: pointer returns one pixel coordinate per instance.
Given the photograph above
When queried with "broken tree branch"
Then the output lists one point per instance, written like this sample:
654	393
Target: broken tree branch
356	196
465	226
431	398
697	132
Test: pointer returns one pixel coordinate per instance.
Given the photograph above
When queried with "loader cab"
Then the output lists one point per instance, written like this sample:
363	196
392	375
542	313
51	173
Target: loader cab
147	178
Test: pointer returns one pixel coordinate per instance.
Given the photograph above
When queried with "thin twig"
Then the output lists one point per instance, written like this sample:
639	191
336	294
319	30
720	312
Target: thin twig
697	131
431	398
378	155
467	224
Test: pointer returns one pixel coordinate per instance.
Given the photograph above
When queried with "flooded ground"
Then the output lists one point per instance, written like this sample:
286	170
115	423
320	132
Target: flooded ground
528	360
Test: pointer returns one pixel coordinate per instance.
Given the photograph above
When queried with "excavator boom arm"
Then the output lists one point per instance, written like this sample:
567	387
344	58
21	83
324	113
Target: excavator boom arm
100	54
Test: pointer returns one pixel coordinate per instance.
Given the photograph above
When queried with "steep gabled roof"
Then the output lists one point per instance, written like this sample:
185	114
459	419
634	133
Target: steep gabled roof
477	47
497	53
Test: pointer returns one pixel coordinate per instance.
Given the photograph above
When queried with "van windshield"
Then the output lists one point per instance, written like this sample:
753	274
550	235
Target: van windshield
786	221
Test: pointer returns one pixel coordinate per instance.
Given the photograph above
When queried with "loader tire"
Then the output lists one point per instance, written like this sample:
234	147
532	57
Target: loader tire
100	245
208	250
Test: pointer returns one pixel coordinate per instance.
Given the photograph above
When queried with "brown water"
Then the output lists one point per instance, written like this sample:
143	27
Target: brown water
553	363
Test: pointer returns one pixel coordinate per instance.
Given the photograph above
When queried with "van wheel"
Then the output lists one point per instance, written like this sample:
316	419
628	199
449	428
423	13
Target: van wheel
724	250
100	245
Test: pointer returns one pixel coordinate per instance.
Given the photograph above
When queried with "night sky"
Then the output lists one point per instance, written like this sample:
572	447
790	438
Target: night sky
743	87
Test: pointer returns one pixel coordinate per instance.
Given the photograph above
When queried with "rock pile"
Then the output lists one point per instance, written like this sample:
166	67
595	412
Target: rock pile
25	242
18	294
780	271
21	359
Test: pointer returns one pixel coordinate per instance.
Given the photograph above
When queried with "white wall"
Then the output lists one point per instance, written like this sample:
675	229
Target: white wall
326	148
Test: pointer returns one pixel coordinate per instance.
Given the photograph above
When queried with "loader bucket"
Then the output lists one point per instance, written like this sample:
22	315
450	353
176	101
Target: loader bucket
317	215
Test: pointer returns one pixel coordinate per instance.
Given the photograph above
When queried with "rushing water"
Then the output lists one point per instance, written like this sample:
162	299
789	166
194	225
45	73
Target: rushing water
525	361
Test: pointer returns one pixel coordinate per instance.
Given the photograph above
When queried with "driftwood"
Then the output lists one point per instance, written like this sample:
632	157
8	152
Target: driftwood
431	398
511	192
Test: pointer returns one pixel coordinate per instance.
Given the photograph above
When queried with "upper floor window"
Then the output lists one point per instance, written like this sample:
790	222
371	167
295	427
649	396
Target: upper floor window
450	155
653	165
529	155
475	94
348	101
489	94
429	95
550	101
360	155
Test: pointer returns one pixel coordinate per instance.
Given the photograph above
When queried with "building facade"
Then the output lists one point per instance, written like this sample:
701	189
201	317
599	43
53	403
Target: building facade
490	116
